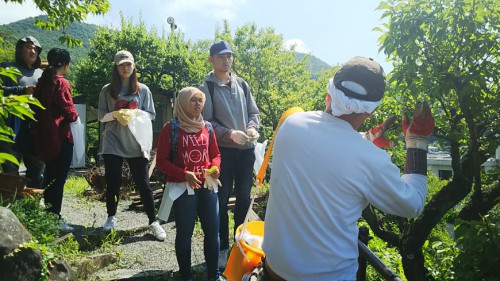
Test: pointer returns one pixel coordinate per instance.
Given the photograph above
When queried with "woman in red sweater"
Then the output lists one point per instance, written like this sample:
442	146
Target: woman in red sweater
54	141
186	171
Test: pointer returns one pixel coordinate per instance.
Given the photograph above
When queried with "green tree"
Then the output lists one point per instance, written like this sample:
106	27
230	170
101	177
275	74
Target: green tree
479	242
7	51
61	13
95	71
446	52
164	64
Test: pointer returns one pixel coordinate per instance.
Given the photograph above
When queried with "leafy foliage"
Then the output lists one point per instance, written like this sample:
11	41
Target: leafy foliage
165	65
440	249
41	224
16	105
439	257
7	49
387	254
479	244
446	52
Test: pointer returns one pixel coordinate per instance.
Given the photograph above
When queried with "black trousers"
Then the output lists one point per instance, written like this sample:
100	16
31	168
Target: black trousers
56	172
236	173
139	168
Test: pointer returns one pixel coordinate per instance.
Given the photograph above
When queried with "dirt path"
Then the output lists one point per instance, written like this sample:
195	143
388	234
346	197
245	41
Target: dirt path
139	251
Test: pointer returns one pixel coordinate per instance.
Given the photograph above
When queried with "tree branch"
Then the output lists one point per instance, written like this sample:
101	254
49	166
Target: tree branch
476	208
371	218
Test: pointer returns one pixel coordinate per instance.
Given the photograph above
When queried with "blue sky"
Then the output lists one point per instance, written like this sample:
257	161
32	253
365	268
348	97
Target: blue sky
332	30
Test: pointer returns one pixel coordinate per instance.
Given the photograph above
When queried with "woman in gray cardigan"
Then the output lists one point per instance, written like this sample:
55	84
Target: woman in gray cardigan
119	102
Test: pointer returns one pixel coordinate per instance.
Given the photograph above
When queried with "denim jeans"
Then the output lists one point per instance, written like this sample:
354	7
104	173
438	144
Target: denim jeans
237	171
56	172
204	204
139	169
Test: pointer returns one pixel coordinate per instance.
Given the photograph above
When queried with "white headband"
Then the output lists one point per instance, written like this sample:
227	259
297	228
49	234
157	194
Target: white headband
343	105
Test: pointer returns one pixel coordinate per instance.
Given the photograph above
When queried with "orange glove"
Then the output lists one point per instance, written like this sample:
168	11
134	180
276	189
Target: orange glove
376	135
417	132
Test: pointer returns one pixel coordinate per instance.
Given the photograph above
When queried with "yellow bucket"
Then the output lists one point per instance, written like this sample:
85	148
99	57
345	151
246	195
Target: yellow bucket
237	264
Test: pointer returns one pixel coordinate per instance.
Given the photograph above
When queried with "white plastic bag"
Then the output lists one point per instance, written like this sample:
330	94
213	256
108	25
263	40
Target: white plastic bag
78	133
172	191
142	130
260	151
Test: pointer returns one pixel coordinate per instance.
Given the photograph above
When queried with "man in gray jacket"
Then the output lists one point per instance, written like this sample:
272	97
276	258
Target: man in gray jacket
235	118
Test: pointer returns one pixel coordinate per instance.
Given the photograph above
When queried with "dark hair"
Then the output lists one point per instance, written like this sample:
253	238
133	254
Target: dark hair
57	58
116	83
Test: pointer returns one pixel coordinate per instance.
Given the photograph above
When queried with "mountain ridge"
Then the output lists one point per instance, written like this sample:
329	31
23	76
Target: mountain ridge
11	32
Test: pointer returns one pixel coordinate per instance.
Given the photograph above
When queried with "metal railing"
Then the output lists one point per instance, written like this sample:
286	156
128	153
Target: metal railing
367	256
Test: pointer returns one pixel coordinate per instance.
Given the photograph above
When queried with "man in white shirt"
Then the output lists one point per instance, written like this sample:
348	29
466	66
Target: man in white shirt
325	173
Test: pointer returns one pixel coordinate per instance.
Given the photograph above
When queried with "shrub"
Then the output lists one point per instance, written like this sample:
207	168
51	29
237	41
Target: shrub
479	244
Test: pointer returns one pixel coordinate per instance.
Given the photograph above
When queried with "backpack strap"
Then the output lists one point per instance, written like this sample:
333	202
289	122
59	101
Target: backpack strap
244	85
174	136
210	131
210	85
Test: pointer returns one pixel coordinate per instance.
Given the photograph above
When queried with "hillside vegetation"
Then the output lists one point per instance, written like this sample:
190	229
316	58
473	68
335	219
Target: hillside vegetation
49	39
315	65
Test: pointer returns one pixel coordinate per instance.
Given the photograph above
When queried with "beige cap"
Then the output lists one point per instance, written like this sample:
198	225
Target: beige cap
123	56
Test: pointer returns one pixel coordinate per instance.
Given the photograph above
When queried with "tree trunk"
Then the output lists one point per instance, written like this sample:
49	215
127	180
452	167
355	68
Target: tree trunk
413	265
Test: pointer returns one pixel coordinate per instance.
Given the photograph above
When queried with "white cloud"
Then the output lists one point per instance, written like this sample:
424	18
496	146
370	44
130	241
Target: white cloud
300	46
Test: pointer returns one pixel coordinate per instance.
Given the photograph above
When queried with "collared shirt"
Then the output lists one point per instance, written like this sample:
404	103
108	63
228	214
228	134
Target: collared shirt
53	124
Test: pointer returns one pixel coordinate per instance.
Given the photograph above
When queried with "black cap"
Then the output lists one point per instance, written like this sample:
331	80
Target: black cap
365	72
220	48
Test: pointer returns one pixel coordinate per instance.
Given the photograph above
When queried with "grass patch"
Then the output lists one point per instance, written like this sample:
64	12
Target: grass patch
45	232
42	225
75	186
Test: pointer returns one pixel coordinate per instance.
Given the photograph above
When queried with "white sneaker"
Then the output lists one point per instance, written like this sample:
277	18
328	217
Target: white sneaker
110	223
158	231
223	255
